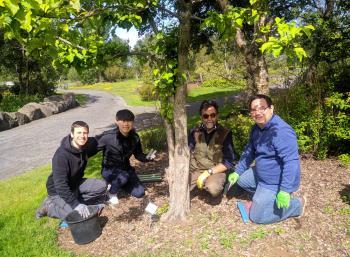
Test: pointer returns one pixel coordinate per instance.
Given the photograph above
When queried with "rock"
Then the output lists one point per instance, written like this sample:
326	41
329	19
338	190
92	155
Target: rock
7	120
22	118
32	110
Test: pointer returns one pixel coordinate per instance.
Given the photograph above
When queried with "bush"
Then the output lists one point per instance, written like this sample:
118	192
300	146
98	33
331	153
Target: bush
320	119
154	138
344	159
147	92
11	102
240	126
220	83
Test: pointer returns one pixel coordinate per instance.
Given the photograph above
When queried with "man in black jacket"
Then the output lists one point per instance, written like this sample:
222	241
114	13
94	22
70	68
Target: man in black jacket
118	145
67	189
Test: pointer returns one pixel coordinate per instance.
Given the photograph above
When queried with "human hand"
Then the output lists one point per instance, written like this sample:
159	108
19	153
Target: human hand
202	178
233	177
83	210
282	199
151	155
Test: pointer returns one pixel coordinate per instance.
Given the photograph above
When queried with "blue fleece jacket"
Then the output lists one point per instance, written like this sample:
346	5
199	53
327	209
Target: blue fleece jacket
275	151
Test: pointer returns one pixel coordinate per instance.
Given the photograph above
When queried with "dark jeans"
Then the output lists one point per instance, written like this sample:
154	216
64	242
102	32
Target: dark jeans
123	179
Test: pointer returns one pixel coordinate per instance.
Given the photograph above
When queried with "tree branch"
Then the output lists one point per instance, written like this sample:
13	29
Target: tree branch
71	44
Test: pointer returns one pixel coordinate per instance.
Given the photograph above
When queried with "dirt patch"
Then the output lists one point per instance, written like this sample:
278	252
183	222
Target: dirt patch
214	227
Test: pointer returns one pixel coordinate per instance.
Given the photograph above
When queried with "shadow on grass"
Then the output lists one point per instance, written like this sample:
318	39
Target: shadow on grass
212	95
345	194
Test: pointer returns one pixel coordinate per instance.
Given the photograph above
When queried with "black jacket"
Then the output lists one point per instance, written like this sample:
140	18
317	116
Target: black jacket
68	165
117	149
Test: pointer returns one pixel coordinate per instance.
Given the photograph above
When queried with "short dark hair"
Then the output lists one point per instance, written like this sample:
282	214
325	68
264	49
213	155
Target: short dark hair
259	96
125	114
208	103
78	124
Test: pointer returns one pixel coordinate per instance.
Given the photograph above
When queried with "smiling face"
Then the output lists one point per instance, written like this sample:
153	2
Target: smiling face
79	136
125	126
209	117
260	112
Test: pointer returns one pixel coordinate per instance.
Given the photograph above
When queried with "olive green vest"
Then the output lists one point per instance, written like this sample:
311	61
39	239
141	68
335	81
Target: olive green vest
206	156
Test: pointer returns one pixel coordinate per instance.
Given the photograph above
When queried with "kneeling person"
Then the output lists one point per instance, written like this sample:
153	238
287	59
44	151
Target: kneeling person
212	152
67	188
118	145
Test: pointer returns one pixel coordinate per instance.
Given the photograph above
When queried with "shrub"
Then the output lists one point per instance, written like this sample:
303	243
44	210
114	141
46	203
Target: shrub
11	102
147	92
344	159
320	119
154	138
221	83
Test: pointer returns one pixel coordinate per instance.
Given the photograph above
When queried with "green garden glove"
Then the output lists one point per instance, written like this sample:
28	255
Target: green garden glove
282	199
232	178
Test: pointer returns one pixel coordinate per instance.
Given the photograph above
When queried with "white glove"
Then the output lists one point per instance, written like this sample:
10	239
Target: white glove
83	210
151	155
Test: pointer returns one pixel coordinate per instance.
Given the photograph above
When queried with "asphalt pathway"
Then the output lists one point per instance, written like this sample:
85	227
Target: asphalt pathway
32	145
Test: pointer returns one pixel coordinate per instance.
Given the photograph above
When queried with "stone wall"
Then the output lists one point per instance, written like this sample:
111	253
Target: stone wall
33	111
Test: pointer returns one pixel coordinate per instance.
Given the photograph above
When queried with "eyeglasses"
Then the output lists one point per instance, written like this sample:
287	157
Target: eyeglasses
206	116
259	109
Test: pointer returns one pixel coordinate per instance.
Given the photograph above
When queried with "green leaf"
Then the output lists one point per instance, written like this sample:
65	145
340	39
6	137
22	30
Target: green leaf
2	3
266	46
300	52
252	2
75	4
12	5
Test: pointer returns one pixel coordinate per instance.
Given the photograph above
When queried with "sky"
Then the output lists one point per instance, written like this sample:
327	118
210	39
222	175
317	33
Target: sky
131	35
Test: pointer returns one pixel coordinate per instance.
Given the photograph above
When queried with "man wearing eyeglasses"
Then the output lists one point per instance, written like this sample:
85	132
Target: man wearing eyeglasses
276	174
212	152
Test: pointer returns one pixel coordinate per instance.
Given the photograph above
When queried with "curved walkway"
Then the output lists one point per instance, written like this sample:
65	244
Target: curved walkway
29	146
32	145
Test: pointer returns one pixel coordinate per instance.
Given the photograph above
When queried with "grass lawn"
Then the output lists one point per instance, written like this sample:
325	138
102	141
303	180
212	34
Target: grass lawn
203	93
20	233
126	89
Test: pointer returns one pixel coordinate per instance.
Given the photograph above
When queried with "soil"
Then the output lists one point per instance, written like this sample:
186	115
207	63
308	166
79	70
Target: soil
214	226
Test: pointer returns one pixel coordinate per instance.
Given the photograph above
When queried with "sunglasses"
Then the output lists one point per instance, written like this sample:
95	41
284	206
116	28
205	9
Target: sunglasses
206	116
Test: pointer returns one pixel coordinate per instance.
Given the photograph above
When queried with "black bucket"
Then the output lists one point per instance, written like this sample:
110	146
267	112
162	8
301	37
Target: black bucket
84	230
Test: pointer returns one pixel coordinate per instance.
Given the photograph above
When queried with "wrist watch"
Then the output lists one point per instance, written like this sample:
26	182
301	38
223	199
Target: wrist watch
210	171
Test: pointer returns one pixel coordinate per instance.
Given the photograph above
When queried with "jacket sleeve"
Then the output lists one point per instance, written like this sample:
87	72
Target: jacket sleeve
286	147
138	153
228	152
60	170
247	157
91	147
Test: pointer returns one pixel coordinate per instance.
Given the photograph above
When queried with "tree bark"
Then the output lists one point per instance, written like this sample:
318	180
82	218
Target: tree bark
179	203
257	72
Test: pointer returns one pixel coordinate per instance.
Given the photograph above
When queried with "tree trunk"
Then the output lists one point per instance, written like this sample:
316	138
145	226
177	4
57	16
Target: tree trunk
179	203
257	73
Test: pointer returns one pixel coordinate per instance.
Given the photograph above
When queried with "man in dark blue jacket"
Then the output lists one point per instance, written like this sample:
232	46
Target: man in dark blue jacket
67	188
118	145
276	174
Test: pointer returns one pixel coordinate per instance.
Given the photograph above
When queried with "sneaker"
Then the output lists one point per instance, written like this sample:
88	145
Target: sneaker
63	224
113	199
43	209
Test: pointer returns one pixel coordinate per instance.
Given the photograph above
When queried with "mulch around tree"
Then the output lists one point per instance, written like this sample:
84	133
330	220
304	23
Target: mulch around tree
214	227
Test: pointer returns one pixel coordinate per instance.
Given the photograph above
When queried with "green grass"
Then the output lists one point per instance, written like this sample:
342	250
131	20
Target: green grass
20	233
203	93
126	89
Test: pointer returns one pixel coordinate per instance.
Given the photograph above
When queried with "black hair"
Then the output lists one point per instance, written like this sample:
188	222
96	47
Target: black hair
208	103
78	124
259	96
125	114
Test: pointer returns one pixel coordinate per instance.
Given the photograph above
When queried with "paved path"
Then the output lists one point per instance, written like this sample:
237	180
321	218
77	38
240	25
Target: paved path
32	145
29	146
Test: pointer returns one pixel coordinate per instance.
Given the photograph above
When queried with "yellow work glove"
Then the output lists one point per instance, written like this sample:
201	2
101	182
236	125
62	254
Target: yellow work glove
202	178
